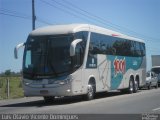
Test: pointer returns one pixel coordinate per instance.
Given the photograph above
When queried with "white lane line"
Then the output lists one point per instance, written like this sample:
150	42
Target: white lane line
156	109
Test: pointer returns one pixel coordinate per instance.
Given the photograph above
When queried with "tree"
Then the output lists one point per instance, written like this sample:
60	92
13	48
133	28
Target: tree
7	72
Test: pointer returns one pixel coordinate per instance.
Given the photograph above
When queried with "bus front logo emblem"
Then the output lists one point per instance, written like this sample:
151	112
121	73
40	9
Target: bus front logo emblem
119	66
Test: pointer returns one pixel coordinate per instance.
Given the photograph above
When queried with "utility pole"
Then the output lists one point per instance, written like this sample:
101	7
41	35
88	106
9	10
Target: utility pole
33	16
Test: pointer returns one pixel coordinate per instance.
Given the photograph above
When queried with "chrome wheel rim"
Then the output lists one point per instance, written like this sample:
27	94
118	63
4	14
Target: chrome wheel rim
136	85
90	90
131	86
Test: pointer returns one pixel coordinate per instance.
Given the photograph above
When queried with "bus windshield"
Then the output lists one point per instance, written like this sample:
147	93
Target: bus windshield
47	56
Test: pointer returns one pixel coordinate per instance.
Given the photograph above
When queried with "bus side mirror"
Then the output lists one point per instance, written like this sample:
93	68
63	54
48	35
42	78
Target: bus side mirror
16	49
73	46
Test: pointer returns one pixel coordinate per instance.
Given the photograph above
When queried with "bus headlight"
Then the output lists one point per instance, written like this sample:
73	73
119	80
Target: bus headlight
65	81
61	82
27	82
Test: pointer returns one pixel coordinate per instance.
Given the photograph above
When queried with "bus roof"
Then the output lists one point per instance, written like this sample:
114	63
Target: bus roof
72	28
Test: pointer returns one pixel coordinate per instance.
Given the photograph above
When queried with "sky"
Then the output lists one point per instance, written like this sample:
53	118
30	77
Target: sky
138	18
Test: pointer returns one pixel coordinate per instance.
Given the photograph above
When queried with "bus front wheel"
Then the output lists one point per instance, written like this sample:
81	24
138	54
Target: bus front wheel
90	92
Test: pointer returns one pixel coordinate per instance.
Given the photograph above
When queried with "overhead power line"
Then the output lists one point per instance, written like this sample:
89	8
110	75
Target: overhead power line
72	9
14	15
13	12
64	10
100	20
75	11
20	15
84	13
91	18
43	21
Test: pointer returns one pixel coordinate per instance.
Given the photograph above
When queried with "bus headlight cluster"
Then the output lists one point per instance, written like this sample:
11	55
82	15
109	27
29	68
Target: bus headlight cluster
65	81
27	82
61	82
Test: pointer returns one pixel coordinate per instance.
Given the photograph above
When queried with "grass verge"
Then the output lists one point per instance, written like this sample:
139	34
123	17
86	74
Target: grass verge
15	86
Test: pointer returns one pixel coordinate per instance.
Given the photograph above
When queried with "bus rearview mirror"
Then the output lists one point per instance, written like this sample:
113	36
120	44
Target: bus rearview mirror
16	50
73	46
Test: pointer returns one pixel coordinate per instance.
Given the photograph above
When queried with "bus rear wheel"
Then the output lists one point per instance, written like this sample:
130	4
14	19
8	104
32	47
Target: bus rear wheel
49	99
131	86
136	86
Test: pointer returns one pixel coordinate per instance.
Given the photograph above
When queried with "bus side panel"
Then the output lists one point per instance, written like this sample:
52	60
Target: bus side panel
97	68
77	82
143	72
113	72
91	70
104	73
122	68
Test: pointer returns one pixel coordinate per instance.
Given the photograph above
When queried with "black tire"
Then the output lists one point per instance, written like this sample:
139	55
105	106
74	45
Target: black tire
149	86
131	86
49	99
90	92
135	87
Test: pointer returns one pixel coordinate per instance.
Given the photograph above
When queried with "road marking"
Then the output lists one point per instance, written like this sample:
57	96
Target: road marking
156	109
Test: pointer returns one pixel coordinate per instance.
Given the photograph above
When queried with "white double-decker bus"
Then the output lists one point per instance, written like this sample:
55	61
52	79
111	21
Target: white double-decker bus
81	59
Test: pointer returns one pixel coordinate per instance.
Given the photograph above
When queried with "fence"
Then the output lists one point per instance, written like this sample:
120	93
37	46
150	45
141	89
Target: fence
10	87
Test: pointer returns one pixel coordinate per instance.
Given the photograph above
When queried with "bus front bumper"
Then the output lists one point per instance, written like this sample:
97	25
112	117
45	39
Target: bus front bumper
47	90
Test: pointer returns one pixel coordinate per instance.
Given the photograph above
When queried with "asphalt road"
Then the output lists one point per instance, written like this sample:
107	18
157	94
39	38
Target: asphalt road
145	101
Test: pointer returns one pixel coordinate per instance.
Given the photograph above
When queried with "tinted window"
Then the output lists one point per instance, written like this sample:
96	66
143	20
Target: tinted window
80	48
82	35
143	49
103	44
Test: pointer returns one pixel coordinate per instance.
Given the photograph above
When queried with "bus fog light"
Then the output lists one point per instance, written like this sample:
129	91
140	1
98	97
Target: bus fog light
68	90
62	83
27	82
65	81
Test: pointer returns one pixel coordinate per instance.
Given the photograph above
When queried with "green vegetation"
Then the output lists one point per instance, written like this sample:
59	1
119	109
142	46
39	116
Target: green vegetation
15	86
